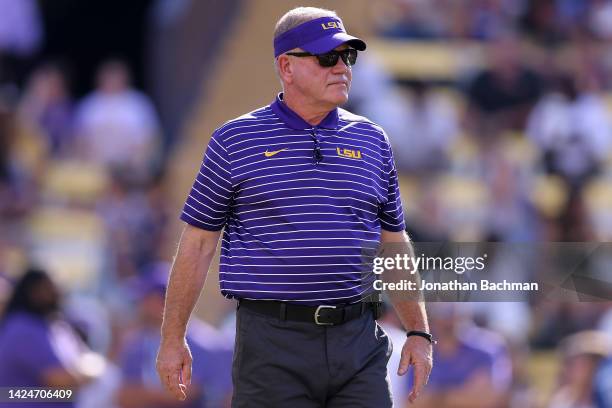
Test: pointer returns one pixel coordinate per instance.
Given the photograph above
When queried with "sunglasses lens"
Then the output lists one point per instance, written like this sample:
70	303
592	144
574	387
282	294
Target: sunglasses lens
328	60
349	56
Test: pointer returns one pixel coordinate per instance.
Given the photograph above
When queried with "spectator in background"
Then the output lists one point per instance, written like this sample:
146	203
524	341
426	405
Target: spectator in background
20	37
573	15
541	22
117	125
511	217
216	349
37	347
133	222
501	95
603	378
141	386
553	321
375	94
573	130
582	354
603	384
600	19
46	103
421	124
422	19
15	189
472	367
433	125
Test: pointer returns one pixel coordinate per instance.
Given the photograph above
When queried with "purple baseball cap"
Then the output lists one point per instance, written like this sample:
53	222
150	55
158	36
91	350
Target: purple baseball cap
153	279
316	36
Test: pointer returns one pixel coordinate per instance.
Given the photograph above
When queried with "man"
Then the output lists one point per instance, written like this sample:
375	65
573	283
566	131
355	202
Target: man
301	187
116	125
38	348
473	366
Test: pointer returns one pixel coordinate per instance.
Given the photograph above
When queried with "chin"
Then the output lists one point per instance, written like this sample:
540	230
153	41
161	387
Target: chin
338	99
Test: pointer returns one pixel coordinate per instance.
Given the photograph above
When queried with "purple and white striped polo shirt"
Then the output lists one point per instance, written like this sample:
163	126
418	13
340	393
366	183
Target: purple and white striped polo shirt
295	228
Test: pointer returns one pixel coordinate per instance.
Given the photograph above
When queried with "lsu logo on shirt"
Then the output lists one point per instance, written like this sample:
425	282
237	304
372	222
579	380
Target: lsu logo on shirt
351	154
331	24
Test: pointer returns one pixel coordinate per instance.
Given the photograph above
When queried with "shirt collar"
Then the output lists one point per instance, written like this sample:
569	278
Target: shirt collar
295	121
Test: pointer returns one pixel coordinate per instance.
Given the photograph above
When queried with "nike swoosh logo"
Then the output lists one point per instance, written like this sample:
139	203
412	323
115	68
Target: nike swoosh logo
270	154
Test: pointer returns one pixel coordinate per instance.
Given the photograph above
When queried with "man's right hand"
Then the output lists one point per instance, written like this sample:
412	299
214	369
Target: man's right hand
174	367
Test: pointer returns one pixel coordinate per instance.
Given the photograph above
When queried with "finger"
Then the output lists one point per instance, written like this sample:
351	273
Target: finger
164	375
186	372
404	364
175	388
419	381
412	397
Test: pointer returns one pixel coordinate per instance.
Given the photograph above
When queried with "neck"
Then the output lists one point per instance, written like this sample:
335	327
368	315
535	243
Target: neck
312	113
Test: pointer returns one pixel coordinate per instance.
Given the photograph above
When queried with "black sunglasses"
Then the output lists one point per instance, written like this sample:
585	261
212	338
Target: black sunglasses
330	59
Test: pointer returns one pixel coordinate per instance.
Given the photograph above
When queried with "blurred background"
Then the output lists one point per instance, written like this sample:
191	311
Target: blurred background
499	113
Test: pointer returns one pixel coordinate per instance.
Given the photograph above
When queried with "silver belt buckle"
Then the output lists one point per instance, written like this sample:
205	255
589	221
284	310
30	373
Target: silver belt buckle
316	315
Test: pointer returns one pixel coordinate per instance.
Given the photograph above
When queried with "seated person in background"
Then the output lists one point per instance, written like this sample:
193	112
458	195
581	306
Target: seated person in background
603	384
140	386
46	103
472	366
116	125
16	190
501	96
571	127
582	354
38	348
216	350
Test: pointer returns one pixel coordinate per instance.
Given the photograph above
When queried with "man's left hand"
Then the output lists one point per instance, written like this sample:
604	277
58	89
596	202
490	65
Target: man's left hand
417	351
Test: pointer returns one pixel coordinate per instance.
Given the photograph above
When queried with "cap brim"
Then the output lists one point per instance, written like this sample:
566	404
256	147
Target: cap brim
325	44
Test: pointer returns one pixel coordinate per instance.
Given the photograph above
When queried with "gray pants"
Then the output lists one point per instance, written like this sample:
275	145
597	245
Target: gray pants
282	364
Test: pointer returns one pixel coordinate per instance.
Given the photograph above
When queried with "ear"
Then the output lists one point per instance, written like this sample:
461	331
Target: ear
285	68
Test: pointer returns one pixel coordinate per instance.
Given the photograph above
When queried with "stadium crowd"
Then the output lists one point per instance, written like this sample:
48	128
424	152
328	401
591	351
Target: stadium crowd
516	151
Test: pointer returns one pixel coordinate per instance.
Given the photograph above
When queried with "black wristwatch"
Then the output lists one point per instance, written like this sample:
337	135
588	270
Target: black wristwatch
423	334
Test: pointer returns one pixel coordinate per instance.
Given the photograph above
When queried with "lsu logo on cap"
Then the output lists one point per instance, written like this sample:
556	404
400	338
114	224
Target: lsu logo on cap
351	154
331	24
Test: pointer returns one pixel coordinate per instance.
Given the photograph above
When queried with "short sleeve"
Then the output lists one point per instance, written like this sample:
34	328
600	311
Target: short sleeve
209	201
36	355
391	213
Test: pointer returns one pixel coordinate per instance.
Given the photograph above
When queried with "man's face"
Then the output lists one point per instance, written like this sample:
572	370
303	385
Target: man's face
328	86
151	308
45	298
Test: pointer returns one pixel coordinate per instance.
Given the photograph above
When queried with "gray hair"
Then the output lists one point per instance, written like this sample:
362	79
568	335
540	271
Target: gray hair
294	18
299	15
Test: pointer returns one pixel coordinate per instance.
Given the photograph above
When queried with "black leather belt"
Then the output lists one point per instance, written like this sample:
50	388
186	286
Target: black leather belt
322	315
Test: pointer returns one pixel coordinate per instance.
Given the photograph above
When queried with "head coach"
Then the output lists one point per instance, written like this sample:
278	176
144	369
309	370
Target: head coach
300	187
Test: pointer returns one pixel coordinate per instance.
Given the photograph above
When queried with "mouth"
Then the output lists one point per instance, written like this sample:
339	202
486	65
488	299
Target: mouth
344	83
